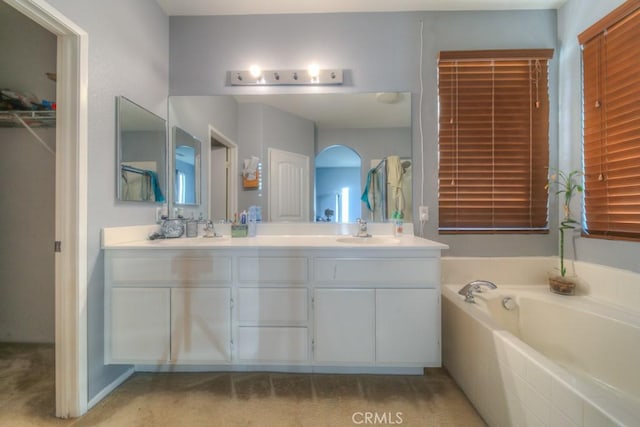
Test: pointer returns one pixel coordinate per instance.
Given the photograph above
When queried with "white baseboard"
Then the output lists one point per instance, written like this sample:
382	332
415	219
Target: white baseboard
108	389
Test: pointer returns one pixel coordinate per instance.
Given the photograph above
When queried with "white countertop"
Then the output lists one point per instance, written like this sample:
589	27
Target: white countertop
284	241
130	238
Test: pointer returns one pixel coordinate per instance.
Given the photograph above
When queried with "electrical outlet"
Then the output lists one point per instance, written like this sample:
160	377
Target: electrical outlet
424	213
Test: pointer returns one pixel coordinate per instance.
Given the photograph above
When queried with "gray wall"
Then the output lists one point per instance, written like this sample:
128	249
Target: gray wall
573	18
27	188
128	55
381	52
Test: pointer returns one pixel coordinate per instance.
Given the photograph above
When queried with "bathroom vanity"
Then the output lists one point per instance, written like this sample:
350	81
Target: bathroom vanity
295	303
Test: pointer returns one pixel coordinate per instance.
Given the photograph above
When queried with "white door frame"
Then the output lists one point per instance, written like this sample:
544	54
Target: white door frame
71	205
232	148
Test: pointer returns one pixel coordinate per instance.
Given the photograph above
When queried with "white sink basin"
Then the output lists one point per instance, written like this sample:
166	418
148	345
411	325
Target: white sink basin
352	240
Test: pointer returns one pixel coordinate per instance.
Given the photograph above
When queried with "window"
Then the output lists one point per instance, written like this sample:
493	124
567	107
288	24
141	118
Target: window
493	137
611	124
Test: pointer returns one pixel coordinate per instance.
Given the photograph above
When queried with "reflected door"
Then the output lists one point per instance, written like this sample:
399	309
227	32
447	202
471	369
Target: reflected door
288	186
219	184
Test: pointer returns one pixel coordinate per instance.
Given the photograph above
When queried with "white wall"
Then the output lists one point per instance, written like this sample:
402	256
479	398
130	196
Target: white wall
573	18
27	188
128	55
380	52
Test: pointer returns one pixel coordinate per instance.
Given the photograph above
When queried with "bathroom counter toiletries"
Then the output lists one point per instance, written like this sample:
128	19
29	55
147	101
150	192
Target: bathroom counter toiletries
310	303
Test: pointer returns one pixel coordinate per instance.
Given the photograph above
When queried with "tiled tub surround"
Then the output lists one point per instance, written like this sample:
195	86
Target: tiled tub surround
554	360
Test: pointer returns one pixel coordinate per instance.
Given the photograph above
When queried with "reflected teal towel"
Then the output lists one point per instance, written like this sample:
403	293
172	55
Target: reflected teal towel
157	191
365	193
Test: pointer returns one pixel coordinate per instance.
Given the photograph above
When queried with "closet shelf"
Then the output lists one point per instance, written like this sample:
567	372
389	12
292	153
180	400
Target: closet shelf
34	119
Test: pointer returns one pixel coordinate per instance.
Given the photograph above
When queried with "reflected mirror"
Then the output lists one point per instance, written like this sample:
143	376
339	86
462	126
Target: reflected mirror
286	133
142	153
186	162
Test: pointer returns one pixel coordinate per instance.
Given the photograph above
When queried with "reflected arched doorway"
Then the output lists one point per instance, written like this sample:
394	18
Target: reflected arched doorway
337	184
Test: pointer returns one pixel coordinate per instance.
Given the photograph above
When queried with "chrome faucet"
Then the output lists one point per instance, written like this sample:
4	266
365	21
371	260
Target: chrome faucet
475	286
362	228
209	229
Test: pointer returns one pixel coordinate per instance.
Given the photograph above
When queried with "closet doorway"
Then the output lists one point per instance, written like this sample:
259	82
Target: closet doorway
70	208
27	179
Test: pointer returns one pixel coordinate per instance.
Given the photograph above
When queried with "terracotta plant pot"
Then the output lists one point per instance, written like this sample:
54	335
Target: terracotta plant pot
562	285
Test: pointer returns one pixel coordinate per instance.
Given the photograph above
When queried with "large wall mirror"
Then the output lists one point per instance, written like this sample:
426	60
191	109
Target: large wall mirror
186	168
333	141
142	154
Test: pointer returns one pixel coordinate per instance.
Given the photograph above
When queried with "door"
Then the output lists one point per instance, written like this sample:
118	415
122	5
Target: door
140	325
344	325
200	325
408	326
219	183
288	189
222	177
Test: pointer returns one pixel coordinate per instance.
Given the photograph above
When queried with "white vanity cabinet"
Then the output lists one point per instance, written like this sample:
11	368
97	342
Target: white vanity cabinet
394	327
382	310
166	307
299	308
272	308
272	324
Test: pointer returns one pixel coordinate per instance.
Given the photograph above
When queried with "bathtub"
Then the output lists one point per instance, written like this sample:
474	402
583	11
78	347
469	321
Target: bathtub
549	361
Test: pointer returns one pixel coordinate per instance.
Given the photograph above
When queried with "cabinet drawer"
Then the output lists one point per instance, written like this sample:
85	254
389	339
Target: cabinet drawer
273	269
180	269
272	306
273	344
423	271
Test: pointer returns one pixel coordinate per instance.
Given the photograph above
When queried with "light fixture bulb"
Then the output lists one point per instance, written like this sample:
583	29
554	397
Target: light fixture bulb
255	71
314	71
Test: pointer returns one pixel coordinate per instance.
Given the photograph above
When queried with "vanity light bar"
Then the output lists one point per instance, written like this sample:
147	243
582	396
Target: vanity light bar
285	77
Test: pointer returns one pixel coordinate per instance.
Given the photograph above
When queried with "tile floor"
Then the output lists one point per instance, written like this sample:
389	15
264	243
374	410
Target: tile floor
234	399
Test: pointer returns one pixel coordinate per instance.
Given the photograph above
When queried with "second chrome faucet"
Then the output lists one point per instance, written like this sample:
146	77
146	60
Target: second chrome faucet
362	228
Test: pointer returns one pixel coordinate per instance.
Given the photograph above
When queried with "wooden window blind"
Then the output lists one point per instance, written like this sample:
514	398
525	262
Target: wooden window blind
611	124
493	141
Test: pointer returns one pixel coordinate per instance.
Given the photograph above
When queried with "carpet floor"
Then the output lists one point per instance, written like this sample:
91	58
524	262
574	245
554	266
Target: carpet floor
234	399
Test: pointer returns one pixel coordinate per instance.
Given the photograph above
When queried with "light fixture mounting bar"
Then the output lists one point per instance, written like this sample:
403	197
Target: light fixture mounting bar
285	77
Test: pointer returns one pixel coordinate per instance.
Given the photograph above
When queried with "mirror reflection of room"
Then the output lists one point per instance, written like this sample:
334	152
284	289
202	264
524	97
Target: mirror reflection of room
338	170
186	186
359	130
142	143
387	194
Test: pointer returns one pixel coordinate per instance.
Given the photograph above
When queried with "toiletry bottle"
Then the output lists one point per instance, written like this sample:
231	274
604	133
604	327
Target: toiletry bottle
252	218
398	224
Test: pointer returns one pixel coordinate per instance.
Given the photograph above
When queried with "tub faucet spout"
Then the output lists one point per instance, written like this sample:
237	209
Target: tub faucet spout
474	286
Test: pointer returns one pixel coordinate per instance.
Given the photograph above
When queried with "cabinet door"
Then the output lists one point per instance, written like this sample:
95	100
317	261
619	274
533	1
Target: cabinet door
408	326
140	325
344	325
200	325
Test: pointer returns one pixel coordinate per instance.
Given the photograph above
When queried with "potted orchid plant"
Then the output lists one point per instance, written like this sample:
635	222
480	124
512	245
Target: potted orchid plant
566	185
